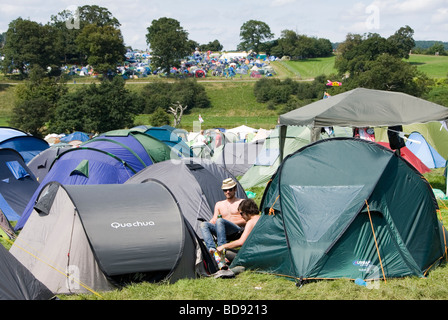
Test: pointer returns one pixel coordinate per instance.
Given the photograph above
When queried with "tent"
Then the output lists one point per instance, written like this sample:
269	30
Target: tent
195	183
424	151
40	164
75	138
18	283
110	158
92	238
242	131
435	133
237	157
17	184
168	135
24	143
268	158
364	108
409	156
345	208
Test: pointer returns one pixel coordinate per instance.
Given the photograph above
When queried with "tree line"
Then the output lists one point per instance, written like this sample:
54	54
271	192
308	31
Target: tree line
43	103
92	35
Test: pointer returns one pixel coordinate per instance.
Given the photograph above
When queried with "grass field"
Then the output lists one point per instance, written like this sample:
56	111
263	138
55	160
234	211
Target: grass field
433	66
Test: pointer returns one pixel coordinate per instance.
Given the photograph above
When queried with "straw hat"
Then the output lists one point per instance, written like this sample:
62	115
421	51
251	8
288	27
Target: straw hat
228	183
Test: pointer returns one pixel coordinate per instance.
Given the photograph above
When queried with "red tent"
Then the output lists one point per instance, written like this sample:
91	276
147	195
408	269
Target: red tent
410	157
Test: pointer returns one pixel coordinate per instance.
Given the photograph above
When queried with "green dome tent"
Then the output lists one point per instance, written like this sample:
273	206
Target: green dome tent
345	208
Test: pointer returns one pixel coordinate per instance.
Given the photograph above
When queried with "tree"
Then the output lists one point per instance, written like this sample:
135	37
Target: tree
300	46
357	50
69	25
402	42
103	46
35	102
29	44
214	45
177	110
187	92
393	74
168	42
253	33
97	108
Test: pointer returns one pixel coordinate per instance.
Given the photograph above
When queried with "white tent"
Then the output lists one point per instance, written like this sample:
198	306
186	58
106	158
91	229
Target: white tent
242	131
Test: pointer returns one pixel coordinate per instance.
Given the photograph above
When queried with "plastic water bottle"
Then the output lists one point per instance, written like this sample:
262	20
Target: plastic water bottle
360	282
220	260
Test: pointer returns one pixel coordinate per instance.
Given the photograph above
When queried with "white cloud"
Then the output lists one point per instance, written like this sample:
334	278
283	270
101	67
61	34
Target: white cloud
207	20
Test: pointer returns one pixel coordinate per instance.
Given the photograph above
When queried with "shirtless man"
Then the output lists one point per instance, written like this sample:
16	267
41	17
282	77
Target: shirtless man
231	221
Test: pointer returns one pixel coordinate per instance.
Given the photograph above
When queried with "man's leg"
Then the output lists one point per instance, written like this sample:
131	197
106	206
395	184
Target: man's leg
208	230
223	229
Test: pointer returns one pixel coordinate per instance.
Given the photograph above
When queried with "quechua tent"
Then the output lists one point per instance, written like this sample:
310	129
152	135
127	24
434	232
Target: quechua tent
345	208
196	184
93	238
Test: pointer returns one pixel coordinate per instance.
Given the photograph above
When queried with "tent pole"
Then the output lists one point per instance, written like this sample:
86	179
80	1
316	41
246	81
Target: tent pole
376	243
281	141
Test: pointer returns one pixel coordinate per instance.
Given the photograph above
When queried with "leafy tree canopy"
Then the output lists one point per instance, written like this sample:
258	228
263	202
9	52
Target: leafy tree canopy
103	46
97	108
253	33
168	42
30	44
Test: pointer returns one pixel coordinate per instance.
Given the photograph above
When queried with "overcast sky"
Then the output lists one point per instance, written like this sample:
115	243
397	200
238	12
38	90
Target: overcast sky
208	20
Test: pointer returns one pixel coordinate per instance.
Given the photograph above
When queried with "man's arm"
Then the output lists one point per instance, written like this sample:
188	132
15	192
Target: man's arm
215	213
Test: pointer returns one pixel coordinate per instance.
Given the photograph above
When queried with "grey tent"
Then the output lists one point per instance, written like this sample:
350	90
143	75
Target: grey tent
194	182
92	238
41	163
363	108
366	107
238	157
17	282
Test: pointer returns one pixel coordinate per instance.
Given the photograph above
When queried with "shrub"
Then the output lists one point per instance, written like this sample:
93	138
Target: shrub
163	94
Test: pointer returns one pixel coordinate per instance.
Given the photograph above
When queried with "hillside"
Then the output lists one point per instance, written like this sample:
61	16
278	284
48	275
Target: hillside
233	102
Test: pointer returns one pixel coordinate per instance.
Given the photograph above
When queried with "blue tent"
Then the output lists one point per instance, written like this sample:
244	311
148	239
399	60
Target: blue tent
17	184
424	151
111	158
167	134
26	144
77	135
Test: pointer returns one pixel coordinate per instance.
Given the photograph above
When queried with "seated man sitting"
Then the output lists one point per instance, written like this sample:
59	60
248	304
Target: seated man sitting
226	219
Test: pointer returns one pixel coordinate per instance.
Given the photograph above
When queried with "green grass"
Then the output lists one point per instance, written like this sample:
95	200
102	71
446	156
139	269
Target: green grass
433	66
306	69
6	102
249	286
233	104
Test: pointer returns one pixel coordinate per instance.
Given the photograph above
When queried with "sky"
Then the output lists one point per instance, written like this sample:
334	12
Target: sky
221	20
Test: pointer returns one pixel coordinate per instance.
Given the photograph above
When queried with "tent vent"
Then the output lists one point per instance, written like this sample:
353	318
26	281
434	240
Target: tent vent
82	169
17	170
